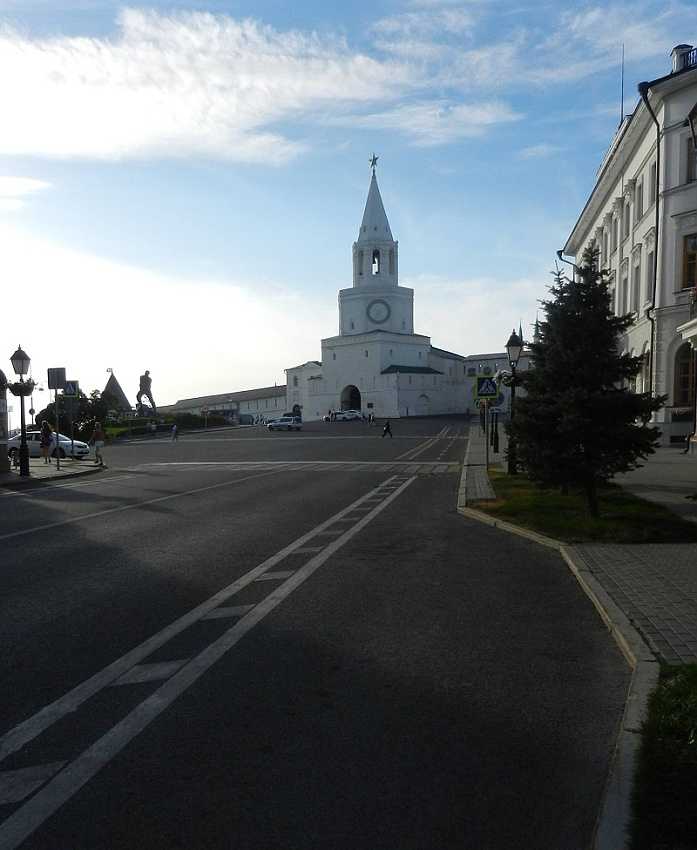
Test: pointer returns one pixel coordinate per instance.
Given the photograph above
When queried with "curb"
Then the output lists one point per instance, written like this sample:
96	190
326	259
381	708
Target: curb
16	481
613	818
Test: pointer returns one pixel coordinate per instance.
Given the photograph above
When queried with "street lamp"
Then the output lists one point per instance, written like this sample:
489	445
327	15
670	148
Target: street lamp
514	347
20	363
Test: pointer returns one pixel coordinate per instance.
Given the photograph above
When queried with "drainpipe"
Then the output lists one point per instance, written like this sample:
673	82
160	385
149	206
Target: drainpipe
644	92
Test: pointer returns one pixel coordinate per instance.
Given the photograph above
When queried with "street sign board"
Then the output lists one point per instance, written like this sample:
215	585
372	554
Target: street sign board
71	389
56	379
486	388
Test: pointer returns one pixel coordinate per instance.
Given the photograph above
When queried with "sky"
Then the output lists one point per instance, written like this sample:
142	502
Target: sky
181	182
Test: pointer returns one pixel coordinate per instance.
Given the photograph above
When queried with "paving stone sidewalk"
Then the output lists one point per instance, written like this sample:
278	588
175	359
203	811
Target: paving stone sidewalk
654	584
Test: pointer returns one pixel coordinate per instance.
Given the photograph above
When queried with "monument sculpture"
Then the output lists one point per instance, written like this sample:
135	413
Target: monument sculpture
145	390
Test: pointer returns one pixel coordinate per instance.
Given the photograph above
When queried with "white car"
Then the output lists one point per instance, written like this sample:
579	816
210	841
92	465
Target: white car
66	446
285	423
347	415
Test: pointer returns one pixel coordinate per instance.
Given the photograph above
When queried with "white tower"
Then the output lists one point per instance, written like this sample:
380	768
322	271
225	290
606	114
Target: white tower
376	301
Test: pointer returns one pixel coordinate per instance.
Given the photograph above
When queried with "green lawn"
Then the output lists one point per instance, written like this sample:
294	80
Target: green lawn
624	518
664	800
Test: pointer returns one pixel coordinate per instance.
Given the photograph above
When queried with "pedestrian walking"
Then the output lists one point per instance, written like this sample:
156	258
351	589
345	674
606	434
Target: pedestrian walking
386	429
175	433
46	439
97	439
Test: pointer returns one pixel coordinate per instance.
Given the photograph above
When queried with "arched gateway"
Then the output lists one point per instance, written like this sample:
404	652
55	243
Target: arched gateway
350	398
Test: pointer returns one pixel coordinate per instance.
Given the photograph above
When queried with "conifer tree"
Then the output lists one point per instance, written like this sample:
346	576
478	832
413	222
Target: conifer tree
579	423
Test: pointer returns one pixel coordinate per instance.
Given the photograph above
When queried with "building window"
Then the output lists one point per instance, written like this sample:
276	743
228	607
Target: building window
333	355
691	161
392	261
295	380
639	200
689	261
353	327
419	355
360	263
624	295
366	352
409	378
636	288
625	221
604	246
615	232
376	261
684	379
649	275
652	183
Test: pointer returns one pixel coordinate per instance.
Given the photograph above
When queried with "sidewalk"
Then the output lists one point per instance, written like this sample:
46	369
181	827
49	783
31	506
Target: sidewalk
47	472
654	585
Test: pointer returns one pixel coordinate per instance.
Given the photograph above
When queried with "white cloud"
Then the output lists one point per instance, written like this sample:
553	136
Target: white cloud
540	151
474	315
13	191
176	85
196	336
436	122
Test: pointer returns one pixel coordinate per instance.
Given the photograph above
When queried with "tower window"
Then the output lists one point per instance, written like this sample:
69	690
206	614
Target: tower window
366	352
295	380
360	262
376	261
333	355
391	261
352	326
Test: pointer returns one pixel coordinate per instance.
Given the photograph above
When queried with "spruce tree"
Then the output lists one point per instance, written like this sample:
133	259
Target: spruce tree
578	424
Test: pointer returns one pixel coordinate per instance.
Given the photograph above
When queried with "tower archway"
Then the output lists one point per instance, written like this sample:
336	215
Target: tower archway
350	398
423	405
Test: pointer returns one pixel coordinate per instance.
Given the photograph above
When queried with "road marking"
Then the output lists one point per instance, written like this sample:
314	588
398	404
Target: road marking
122	508
15	785
150	672
27	730
231	611
420	449
274	576
29	817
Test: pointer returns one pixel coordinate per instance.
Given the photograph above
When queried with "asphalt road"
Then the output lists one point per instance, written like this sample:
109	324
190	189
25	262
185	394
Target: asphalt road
259	640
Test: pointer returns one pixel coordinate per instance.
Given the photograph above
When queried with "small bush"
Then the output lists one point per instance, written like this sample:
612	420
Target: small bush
665	790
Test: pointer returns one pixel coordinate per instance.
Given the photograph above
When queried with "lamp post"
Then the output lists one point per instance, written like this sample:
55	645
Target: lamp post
20	363
514	347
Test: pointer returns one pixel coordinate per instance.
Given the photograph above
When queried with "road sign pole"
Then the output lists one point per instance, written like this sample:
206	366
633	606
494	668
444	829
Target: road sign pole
58	431
486	432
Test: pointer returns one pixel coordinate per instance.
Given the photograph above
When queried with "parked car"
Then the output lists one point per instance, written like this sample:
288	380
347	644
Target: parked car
66	446
347	415
285	423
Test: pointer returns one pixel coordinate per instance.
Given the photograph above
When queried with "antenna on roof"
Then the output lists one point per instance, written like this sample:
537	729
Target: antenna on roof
622	87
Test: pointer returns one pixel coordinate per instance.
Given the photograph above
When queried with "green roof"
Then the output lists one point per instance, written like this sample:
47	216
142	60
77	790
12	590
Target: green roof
415	370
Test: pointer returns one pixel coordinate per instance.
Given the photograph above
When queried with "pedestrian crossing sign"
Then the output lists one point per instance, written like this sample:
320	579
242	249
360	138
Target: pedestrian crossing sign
71	389
486	388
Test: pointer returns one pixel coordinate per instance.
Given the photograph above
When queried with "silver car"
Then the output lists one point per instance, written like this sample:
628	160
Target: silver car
66	446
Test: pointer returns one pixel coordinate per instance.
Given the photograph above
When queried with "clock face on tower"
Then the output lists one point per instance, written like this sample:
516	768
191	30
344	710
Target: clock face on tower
378	311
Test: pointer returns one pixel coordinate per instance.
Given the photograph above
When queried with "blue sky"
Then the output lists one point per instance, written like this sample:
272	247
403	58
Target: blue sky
190	175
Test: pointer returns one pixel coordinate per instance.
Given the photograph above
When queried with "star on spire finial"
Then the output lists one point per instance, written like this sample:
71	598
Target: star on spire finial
374	162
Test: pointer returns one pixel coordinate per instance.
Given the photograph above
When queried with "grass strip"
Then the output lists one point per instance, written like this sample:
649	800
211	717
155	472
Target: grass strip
624	517
664	807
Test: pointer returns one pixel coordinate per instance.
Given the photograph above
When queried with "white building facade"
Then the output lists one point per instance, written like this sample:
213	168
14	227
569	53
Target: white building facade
642	216
376	363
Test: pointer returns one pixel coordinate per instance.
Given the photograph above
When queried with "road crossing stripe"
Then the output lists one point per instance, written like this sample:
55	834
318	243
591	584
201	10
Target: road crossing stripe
68	781
26	731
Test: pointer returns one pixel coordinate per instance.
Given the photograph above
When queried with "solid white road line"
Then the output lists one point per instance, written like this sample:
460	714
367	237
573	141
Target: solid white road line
29	817
33	726
122	508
